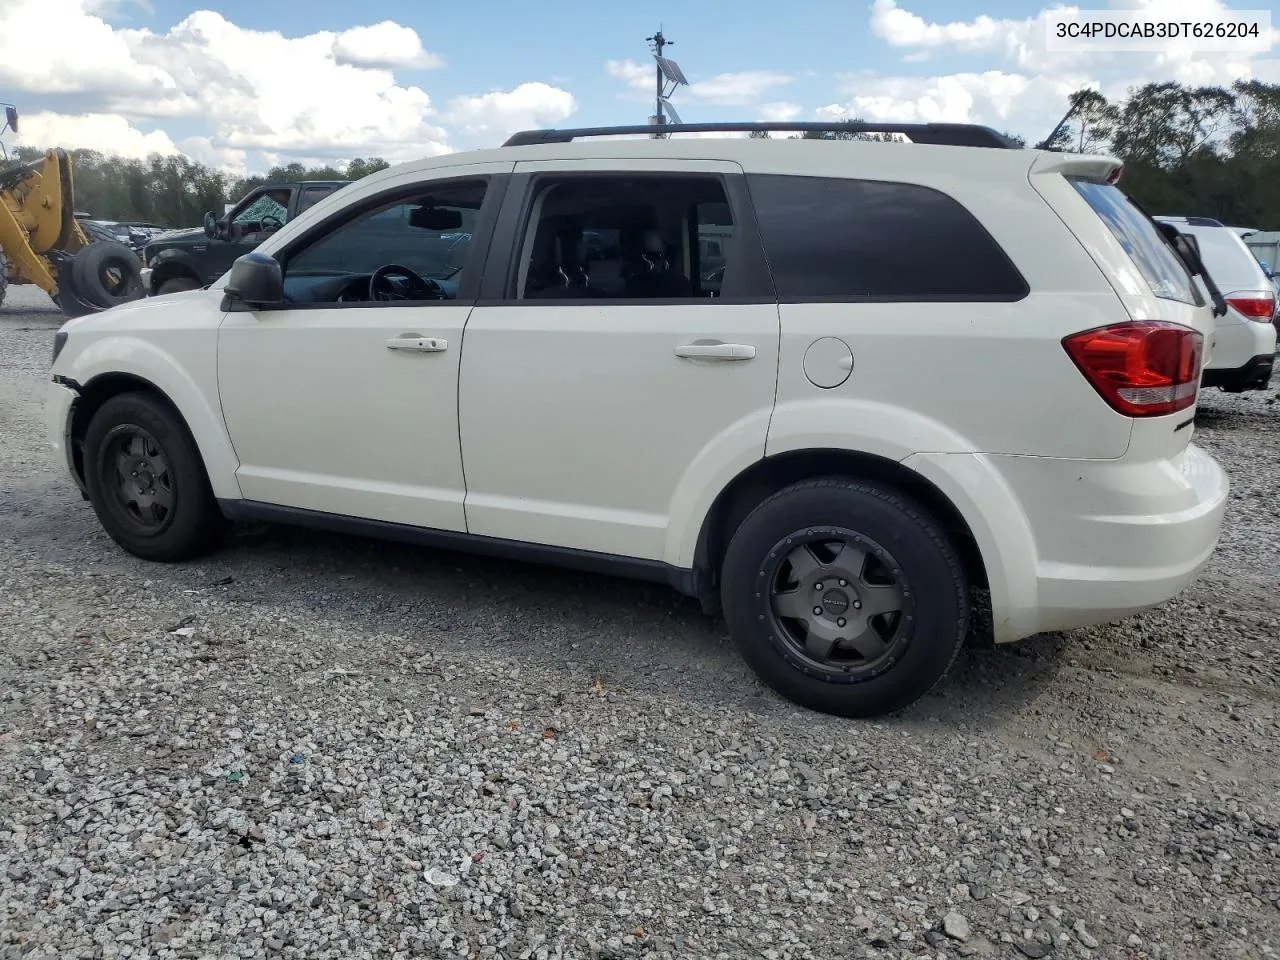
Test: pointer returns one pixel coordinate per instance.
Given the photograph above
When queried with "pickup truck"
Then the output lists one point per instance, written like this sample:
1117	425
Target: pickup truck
193	258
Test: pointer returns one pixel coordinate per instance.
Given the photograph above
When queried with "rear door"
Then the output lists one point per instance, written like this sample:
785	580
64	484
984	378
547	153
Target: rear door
601	365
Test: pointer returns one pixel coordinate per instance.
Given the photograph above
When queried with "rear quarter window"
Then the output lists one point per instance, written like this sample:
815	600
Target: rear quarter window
1155	260
844	239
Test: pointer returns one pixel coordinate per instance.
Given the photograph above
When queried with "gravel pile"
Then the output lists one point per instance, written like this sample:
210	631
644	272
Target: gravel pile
314	746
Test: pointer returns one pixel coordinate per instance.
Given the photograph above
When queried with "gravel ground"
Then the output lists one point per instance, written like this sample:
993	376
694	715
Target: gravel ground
317	746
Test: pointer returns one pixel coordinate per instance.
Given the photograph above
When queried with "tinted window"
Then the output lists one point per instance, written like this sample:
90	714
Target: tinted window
836	238
1157	263
313	195
625	237
429	234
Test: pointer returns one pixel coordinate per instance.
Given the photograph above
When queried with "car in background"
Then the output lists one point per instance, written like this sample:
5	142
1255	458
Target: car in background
1244	341
189	259
134	235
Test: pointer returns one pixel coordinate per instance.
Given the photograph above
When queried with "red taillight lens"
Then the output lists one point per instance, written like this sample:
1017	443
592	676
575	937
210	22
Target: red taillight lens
1147	368
1254	305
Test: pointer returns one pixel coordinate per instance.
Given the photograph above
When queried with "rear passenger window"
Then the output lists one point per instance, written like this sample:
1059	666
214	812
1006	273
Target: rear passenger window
829	238
626	237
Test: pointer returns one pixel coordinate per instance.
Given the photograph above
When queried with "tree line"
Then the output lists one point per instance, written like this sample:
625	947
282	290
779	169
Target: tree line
173	190
1188	151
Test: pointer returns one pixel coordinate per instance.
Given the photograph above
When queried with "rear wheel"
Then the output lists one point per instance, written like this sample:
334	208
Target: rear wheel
845	597
146	480
177	285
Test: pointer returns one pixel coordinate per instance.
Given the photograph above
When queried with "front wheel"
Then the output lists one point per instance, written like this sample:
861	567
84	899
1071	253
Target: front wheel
146	480
845	597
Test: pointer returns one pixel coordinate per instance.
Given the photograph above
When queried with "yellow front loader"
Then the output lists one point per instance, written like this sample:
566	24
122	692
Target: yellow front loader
41	242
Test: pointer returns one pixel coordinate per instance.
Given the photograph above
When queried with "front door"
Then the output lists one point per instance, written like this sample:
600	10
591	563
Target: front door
616	356
345	401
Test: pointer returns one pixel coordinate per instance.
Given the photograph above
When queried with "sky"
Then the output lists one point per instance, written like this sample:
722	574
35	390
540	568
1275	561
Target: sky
246	84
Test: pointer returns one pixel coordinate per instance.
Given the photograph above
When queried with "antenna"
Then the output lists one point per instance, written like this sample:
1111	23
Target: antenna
666	71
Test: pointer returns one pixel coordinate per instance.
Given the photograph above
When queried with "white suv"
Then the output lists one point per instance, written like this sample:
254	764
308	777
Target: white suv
811	434
1244	340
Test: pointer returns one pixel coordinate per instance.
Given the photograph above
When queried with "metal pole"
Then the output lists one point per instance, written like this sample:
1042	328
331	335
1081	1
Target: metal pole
658	41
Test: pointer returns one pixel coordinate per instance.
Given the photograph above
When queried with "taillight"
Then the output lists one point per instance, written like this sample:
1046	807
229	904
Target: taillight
1147	368
1254	304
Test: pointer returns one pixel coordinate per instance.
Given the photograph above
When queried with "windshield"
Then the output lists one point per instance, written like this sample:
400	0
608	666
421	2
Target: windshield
1148	250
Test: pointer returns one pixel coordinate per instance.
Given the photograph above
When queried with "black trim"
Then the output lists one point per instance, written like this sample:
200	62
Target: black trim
654	571
749	283
1252	375
941	134
472	271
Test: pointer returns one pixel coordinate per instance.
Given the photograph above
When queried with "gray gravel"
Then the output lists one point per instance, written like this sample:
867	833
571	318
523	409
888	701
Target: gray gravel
316	746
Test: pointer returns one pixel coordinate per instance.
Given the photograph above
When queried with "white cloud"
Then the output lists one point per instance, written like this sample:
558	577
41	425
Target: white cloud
1027	90
110	133
739	88
385	44
251	95
502	112
782	112
639	77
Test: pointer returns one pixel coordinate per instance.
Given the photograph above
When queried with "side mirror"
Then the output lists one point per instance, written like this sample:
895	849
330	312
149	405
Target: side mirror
256	281
11	116
211	226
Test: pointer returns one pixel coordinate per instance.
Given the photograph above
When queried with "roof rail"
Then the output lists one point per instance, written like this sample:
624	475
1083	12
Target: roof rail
944	134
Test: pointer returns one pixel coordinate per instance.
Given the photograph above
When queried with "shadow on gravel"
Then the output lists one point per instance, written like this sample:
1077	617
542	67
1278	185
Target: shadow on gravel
637	634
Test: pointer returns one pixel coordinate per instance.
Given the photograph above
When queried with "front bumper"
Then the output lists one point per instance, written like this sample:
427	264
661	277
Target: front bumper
59	404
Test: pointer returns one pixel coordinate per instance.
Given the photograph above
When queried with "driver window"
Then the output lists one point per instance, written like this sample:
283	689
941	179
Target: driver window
425	238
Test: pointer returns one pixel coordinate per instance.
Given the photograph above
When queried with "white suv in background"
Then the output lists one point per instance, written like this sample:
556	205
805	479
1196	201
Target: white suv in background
1244	341
810	434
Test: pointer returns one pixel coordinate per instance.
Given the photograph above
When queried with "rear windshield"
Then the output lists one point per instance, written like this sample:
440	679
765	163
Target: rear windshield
1153	257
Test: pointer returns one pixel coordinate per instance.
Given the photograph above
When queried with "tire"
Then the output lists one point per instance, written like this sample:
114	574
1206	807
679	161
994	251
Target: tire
136	447
177	285
107	273
781	566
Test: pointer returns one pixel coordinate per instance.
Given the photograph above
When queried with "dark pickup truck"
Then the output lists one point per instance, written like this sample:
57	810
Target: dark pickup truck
189	259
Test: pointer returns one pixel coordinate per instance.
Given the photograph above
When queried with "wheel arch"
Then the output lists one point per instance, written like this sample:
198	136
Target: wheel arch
767	476
171	268
97	390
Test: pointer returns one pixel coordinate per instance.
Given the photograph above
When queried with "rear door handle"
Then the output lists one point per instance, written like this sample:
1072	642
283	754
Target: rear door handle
715	350
417	344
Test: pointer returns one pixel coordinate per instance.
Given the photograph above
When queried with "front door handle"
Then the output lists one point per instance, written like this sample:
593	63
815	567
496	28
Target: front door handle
716	350
417	344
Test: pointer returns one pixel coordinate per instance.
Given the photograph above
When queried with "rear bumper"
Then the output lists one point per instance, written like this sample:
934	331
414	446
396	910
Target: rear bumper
1255	374
1074	543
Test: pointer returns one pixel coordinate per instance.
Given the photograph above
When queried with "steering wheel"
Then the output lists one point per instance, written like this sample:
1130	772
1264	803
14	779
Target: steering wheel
268	222
419	288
